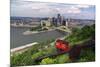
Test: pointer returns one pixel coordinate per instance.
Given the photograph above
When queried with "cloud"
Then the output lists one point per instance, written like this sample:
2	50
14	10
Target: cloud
43	9
46	8
73	10
82	6
39	5
70	10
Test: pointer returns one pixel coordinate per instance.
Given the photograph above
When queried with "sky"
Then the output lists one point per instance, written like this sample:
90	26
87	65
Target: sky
27	8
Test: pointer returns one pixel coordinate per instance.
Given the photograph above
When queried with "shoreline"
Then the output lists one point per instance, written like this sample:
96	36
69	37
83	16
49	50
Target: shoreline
26	46
35	32
27	26
22	48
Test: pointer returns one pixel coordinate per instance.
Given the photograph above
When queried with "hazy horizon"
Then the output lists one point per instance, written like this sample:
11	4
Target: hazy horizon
25	8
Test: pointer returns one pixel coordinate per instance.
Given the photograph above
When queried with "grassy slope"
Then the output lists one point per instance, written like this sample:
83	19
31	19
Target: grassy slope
77	36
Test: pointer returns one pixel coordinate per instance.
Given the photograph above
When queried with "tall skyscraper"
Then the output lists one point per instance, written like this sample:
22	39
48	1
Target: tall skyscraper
58	19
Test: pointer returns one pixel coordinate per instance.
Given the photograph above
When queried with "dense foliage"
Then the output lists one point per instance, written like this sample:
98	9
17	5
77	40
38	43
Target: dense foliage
27	57
81	35
87	55
38	28
46	48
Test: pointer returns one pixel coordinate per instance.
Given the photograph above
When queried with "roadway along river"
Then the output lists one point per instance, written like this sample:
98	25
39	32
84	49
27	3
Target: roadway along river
17	39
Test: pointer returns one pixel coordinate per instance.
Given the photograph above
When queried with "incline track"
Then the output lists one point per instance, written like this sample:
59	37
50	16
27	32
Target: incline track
73	52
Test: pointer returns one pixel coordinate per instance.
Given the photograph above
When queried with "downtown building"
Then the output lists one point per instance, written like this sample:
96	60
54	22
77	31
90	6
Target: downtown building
59	21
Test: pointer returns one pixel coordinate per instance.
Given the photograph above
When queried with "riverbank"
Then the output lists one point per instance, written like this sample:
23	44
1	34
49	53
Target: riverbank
18	39
22	48
80	52
28	26
28	32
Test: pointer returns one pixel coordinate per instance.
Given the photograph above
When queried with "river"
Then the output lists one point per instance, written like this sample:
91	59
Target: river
17	39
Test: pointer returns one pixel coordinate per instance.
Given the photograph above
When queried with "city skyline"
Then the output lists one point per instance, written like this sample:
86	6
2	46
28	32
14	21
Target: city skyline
25	8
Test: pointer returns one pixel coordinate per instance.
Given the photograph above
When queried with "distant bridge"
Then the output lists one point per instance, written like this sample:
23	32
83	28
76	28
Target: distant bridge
22	25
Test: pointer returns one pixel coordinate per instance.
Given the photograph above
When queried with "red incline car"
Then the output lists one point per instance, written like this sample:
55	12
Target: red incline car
62	45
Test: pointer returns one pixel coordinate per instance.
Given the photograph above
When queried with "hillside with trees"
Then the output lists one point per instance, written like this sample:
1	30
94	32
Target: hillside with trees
76	38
